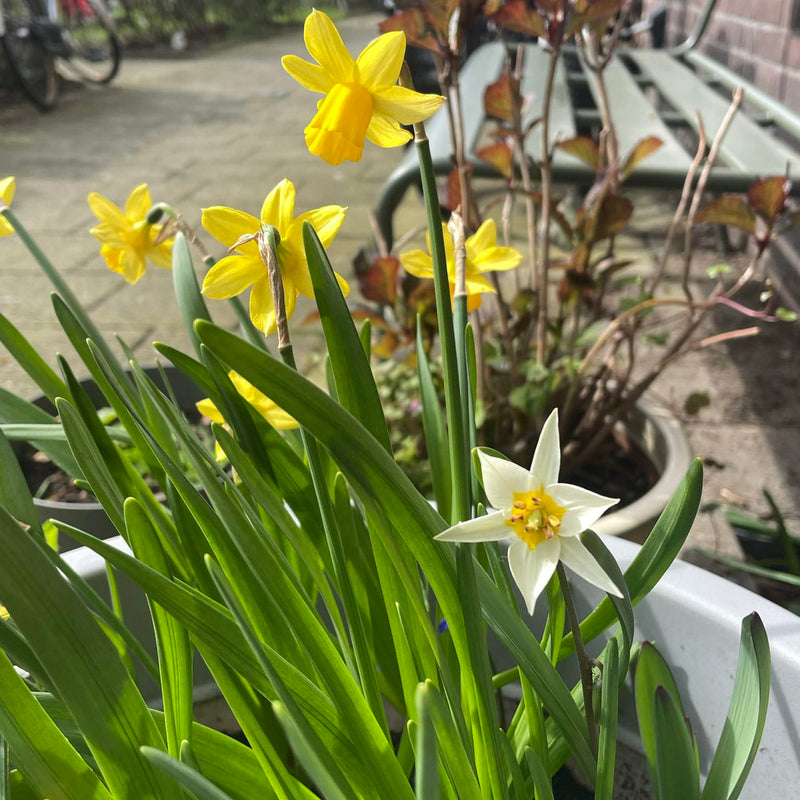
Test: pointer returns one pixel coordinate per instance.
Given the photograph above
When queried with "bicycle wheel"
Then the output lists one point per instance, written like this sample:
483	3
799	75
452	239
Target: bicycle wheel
29	60
93	48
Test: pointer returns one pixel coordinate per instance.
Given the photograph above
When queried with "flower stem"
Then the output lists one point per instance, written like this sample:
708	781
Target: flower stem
584	663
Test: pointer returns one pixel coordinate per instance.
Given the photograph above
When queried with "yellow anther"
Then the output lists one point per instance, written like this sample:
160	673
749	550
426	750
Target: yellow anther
516	518
530	528
554	521
520	504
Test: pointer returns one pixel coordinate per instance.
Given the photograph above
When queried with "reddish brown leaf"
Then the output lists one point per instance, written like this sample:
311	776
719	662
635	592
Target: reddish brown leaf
594	13
643	148
500	156
584	148
497	99
378	282
453	200
411	22
730	209
612	216
550	7
767	197
516	16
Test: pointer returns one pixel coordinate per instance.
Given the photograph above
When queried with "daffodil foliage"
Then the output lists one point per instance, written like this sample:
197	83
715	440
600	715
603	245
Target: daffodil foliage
360	99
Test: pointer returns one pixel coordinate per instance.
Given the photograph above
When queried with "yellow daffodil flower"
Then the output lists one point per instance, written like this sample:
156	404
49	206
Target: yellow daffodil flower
483	255
7	187
272	413
235	273
361	98
128	239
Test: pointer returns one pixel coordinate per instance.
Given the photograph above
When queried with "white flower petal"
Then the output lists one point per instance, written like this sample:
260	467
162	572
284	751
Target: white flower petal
501	479
584	508
532	569
575	556
546	462
489	528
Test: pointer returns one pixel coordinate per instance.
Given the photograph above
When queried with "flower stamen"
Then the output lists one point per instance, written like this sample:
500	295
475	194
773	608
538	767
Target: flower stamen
535	517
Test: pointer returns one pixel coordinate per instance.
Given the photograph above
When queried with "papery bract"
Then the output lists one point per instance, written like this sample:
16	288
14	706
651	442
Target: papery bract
361	98
237	272
541	518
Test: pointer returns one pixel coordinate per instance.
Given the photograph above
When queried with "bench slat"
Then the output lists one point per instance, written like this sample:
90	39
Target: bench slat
746	147
635	118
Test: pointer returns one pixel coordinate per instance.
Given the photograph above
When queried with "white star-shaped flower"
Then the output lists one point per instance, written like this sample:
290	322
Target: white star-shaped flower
541	518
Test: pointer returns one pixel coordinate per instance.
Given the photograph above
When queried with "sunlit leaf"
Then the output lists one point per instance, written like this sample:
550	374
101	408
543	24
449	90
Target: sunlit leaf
767	197
730	209
377	279
497	98
613	216
584	148
412	22
499	155
643	148
518	17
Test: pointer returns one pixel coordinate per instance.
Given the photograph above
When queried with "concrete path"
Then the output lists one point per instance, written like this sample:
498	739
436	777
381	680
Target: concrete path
223	127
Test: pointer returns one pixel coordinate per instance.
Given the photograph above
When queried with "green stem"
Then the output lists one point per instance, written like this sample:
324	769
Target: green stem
61	287
580	652
447	337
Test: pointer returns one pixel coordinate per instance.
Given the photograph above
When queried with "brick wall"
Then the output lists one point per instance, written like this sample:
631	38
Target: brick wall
759	40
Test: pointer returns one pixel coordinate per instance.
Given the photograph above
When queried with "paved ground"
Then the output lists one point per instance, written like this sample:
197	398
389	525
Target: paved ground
223	127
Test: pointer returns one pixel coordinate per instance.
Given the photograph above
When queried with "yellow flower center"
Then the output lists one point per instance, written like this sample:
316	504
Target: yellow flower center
534	517
340	125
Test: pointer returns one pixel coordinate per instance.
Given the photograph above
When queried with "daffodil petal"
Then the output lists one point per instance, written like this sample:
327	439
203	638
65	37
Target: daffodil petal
112	257
501	478
418	263
5	227
262	310
139	203
575	556
386	132
326	221
494	259
161	255
106	211
477	284
584	508
109	235
546	462
278	207
484	237
232	275
310	76
380	61
7	188
325	45
229	225
533	568
406	105
131	264
208	408
279	419
489	528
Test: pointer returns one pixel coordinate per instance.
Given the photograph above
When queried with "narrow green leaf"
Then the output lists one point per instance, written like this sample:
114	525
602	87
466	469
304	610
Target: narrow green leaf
15	496
29	359
187	291
82	664
652	671
541	780
435	431
427	749
657	553
202	788
40	750
355	384
744	724
609	709
676	776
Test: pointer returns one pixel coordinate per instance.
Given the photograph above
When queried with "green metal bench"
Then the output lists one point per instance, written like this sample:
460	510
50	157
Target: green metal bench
682	77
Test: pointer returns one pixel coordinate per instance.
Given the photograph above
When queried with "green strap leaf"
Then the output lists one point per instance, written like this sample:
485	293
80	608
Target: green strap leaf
82	664
609	709
676	775
355	384
187	291
747	714
202	788
41	751
427	748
